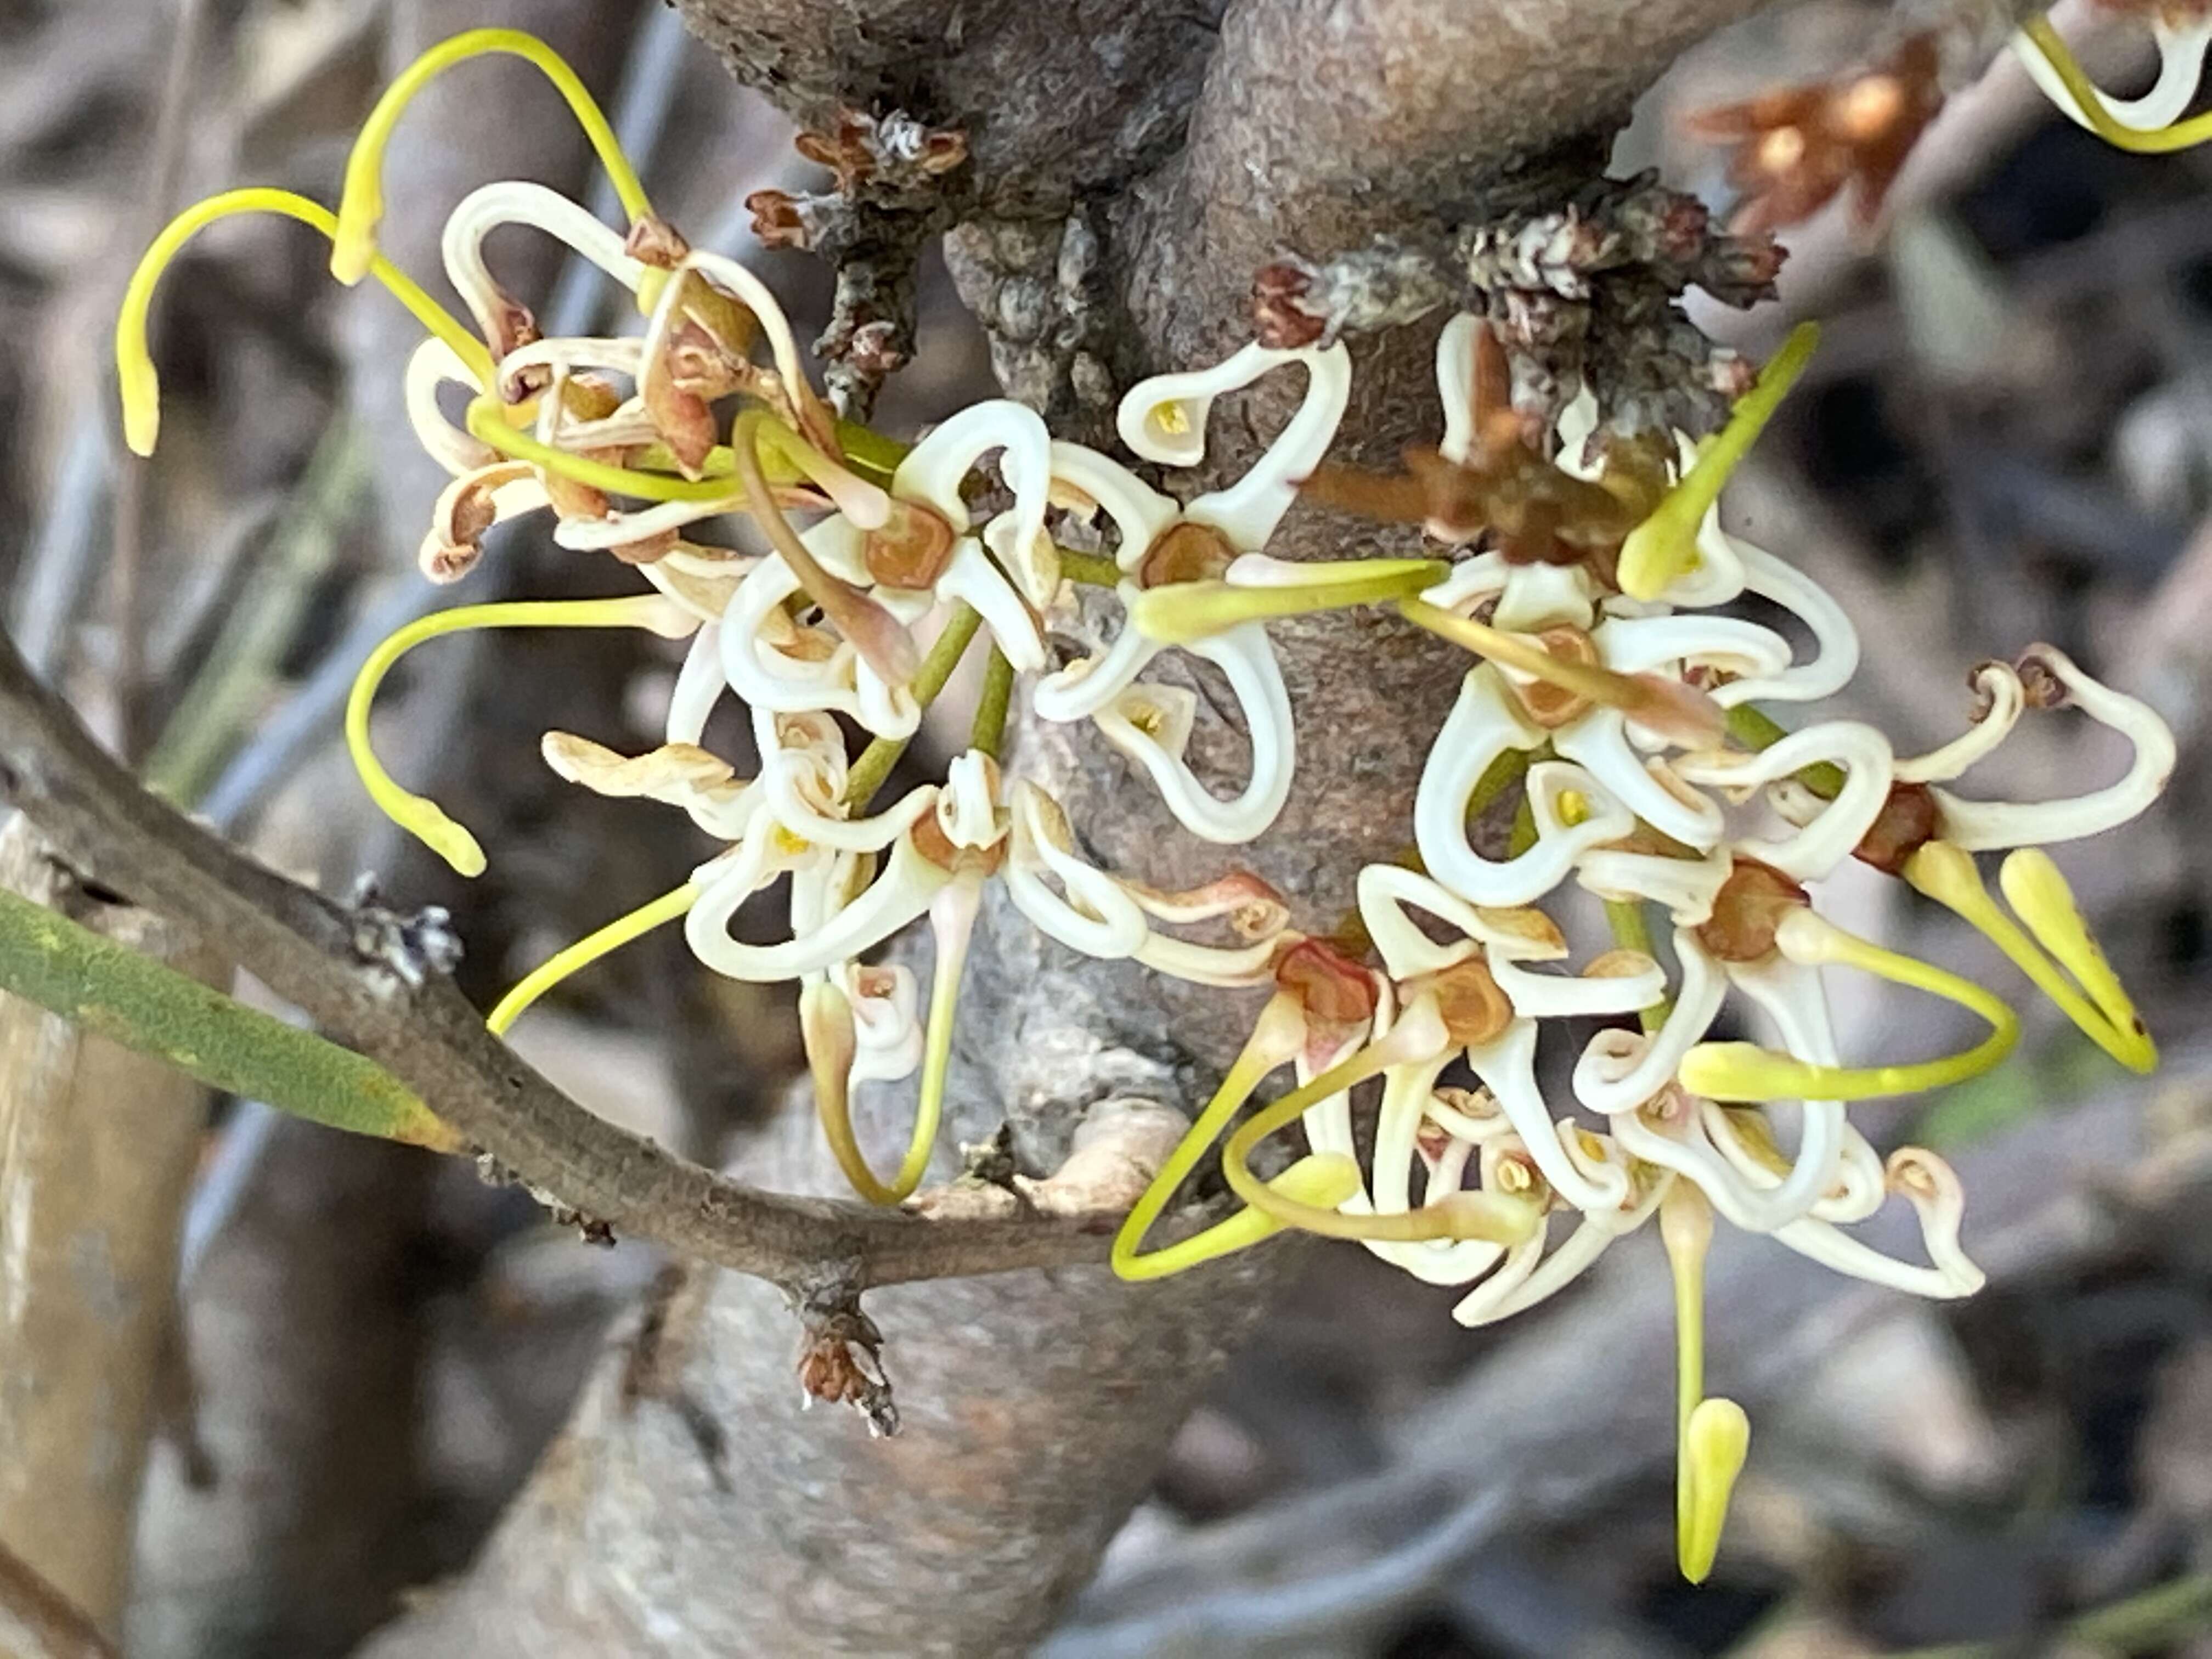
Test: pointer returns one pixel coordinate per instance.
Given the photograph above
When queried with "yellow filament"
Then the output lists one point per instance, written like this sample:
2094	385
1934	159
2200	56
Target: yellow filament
361	206
1602	685
586	952
134	364
1713	1437
859	499
424	819
1665	545
1744	1071
1273	1040
2032	882
1497	1217
488	422
1181	612
2159	140
1319	1180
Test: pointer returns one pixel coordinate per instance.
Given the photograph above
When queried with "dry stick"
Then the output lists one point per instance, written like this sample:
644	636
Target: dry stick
309	951
38	1621
97	1148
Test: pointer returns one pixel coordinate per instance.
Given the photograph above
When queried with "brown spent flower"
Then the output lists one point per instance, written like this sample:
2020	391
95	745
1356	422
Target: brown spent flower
911	550
1534	512
1475	1006
777	218
1337	993
896	150
1797	148
842	1362
655	242
1279	322
1746	911
1185	552
1908	820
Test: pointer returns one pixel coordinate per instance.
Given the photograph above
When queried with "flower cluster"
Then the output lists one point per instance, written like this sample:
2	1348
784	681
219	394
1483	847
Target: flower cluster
1611	710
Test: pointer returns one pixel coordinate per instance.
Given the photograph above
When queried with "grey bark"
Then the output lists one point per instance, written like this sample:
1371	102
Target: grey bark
691	1508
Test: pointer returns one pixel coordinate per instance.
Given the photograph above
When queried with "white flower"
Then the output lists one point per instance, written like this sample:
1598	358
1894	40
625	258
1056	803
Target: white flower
1163	419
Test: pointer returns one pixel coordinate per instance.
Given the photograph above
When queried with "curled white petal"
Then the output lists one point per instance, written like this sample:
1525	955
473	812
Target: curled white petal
754	294
515	201
429	367
1328	1121
1539	595
1686	887
1621	1070
1384	891
1638	645
1558	996
1507	1066
968	806
974	579
1468	582
2000	688
1243	654
1791	997
1818	847
1082	689
1141	513
1406	1091
1980	825
899	895
1230	966
933	469
699	686
1455	366
1680	1144
1833	1248
620	529
1097	916
1646	789
1248	511
568	353
886	1026
1485	722
802	794
1836	642
1511	1278
2180	64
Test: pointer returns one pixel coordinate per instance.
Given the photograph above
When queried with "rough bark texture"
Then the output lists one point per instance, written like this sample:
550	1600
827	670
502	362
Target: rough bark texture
691	1508
97	1148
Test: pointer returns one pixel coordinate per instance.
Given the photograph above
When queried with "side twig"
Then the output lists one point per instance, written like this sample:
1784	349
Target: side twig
401	1011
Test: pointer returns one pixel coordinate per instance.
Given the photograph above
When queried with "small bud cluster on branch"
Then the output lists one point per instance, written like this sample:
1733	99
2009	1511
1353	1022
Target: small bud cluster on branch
889	196
1584	294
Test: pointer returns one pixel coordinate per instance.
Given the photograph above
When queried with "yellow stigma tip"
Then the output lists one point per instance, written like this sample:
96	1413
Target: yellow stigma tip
353	249
1664	547
442	835
1716	1441
142	419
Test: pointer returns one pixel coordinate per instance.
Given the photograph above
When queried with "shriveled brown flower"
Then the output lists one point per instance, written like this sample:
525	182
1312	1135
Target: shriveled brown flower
1797	148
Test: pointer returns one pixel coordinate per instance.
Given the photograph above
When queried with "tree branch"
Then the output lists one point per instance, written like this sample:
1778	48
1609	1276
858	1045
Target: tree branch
401	1013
